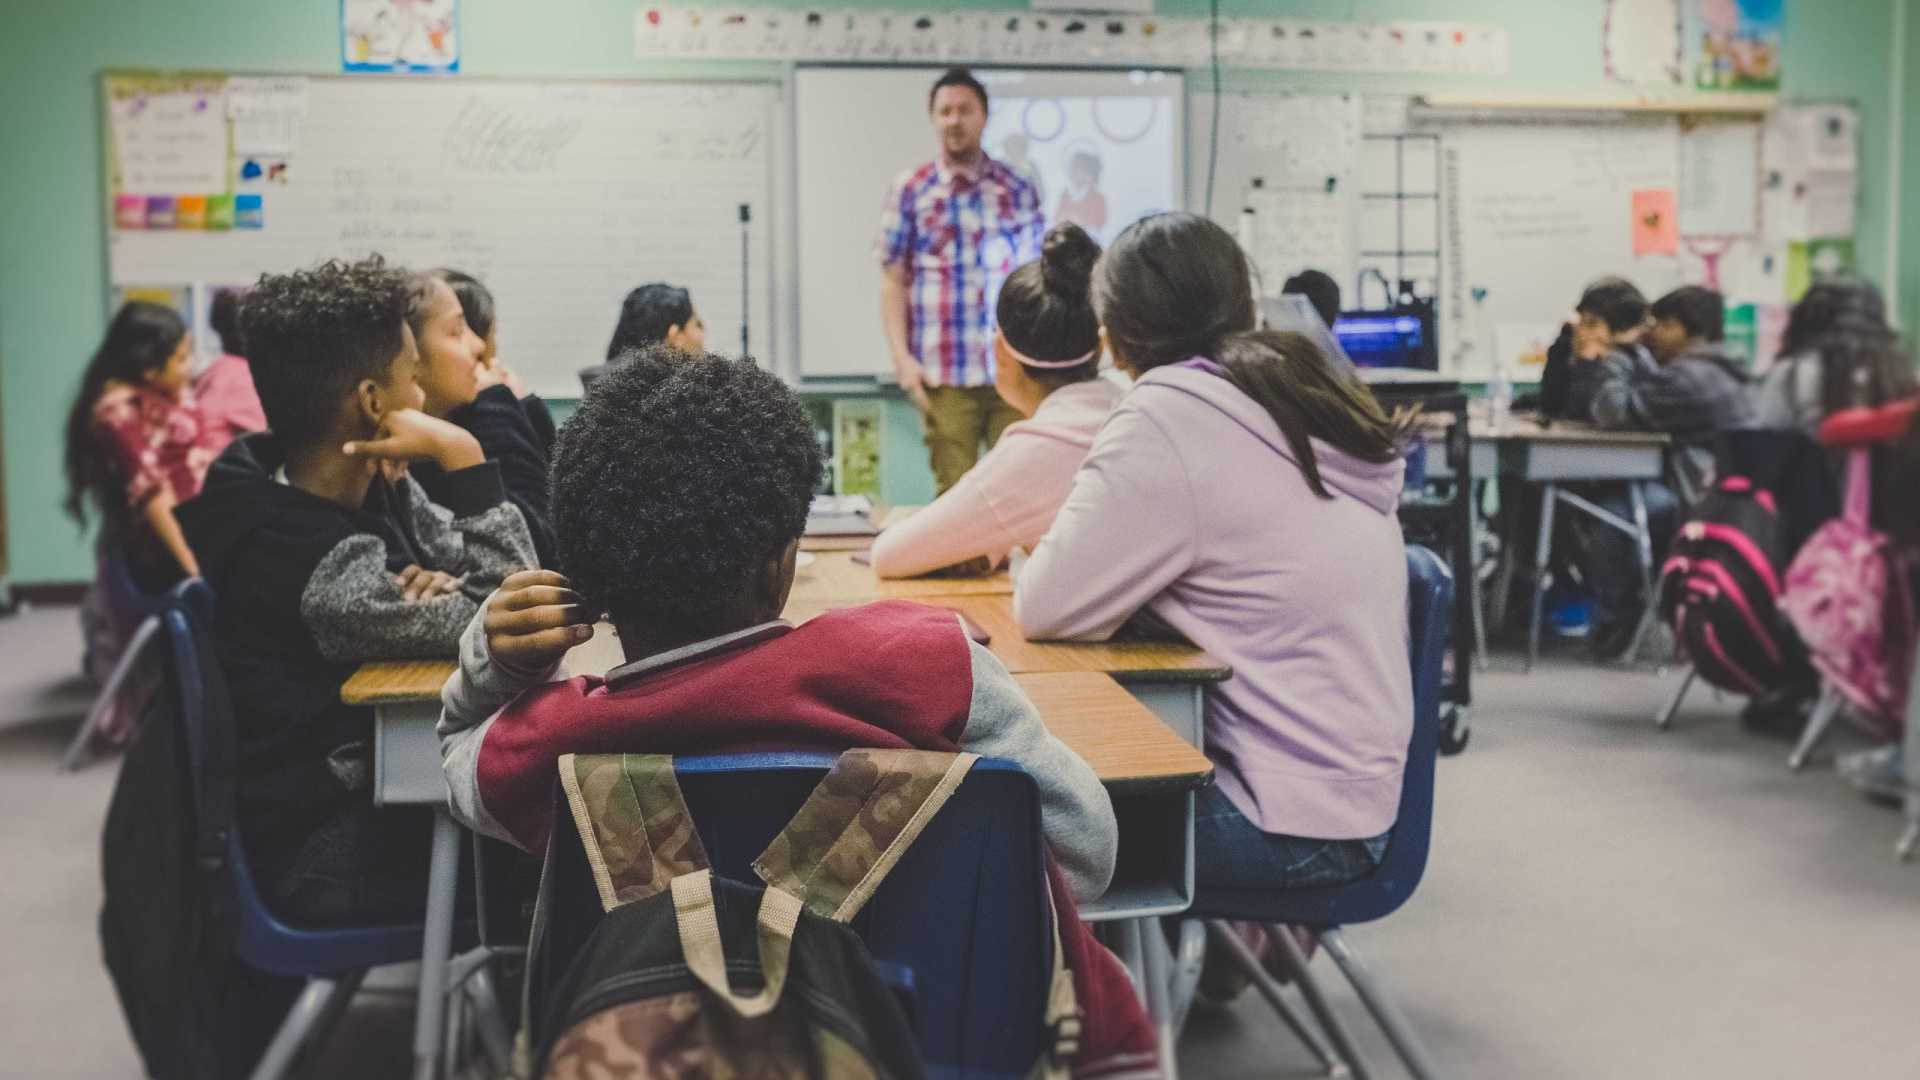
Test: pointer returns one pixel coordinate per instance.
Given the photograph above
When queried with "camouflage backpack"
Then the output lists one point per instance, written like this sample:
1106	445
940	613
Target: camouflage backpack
689	974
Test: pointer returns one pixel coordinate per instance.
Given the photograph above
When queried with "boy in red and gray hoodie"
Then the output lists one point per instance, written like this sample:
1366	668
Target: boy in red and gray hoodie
680	490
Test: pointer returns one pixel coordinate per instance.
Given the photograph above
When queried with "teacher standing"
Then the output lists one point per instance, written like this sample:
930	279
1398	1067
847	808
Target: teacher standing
950	233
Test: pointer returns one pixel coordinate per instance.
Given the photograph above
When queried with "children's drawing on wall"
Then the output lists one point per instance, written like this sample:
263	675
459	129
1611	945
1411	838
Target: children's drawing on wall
1738	44
400	35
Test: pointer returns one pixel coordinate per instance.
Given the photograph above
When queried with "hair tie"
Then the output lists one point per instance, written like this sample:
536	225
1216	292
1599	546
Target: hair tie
1028	361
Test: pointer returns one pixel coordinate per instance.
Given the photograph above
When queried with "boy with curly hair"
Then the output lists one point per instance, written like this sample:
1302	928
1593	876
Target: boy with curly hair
680	490
323	553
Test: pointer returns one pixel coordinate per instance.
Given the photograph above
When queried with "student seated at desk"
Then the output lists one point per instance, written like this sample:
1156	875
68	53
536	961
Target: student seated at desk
465	385
681	488
656	314
1838	353
1047	367
1610	321
1697	391
1244	493
324	553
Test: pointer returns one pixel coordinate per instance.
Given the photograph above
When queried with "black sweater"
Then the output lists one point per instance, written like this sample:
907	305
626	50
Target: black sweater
304	593
518	435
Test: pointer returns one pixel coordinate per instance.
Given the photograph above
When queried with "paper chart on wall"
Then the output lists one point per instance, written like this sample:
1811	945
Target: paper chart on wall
171	141
1719	178
266	113
1308	228
1642	42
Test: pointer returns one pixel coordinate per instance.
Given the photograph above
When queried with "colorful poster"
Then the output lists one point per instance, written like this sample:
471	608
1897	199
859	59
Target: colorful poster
1656	222
1812	260
1736	44
414	36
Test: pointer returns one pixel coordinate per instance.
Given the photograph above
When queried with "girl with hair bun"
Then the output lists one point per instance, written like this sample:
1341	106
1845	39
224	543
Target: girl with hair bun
1245	494
1047	368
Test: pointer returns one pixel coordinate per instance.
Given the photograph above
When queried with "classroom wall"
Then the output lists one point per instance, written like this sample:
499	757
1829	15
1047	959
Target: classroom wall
1909	229
52	283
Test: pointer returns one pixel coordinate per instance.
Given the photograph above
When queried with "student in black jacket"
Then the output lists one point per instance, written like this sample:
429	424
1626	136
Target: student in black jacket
324	553
462	387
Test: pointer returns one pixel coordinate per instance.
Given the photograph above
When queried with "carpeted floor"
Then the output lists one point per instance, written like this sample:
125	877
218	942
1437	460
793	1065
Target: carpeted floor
1604	900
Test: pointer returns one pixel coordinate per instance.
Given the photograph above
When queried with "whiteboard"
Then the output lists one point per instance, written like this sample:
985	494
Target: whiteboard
856	129
560	195
1532	213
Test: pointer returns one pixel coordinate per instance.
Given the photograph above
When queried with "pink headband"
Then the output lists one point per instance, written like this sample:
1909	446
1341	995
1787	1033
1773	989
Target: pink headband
1028	361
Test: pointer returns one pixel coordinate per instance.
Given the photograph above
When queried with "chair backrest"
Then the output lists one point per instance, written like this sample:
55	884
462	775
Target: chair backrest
964	912
1429	614
199	703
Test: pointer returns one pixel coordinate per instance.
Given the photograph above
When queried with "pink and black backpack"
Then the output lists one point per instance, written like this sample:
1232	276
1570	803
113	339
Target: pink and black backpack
1721	586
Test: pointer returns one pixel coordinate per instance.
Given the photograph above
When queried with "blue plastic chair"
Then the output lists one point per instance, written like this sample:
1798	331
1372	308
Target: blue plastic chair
1324	911
123	595
332	960
962	920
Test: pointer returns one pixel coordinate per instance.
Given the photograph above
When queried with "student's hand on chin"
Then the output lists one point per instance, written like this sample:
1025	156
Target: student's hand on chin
533	619
410	435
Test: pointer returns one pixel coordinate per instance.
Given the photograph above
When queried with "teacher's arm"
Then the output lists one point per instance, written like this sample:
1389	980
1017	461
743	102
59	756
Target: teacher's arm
895	280
894	250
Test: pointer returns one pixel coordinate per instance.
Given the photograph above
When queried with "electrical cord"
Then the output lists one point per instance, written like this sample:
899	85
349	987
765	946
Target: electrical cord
1213	128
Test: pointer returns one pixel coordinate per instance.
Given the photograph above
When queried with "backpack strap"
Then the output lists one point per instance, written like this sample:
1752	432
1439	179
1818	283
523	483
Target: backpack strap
701	945
1063	1010
856	825
633	823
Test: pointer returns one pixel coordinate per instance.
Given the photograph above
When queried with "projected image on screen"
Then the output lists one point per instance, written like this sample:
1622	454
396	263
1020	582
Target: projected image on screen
1102	148
1099	162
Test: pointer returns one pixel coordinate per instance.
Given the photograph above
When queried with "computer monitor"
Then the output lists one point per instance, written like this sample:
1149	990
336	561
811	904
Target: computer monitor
1394	338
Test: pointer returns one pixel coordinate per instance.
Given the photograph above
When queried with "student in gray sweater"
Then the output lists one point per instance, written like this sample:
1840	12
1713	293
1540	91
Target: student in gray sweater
1695	392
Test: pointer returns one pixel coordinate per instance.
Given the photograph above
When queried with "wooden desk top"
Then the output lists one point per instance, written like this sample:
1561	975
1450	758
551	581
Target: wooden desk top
1128	746
1126	661
834	576
1523	428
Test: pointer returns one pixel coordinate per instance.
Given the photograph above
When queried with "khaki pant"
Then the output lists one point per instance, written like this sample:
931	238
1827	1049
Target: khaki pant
959	420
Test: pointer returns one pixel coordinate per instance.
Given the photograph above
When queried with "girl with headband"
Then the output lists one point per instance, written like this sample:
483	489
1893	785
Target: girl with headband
1046	366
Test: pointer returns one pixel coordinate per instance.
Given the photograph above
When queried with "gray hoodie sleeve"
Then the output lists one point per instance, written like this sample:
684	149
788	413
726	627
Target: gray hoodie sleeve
1788	396
471	699
1076	816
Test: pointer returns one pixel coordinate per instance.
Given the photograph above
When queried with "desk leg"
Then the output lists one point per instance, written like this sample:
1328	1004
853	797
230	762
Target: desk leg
1475	595
1643	549
1542	559
1156	971
430	1010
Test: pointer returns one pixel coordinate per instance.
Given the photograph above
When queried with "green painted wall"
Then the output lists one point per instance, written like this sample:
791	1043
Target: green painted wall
52	282
1909	231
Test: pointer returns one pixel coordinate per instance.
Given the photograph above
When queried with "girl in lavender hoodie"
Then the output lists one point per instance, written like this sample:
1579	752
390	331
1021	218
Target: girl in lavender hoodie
1047	367
1244	494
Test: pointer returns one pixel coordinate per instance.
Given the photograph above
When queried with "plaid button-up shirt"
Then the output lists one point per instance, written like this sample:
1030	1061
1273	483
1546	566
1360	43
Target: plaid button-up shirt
959	233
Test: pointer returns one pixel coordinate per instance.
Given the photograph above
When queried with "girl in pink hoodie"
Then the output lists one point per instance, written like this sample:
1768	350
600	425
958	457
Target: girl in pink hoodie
1047	367
1244	493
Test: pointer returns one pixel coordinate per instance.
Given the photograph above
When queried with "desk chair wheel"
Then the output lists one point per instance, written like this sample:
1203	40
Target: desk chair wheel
1455	729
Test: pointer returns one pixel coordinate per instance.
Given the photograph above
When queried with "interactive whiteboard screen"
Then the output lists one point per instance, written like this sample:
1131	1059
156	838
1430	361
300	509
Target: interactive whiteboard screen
1105	148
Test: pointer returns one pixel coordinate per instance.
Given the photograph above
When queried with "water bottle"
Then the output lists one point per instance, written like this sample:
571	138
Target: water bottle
1500	394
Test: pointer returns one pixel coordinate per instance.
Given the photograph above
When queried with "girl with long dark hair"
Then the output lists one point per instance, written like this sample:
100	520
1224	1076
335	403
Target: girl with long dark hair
1245	494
